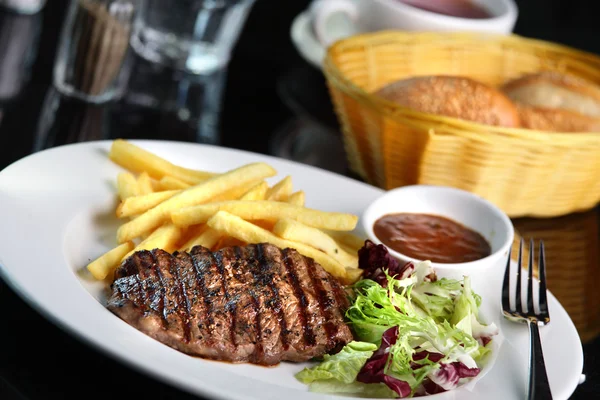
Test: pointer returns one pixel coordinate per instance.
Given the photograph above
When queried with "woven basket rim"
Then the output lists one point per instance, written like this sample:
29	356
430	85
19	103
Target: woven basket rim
400	113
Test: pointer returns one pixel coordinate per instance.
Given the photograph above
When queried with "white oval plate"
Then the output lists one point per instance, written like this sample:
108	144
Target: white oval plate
57	208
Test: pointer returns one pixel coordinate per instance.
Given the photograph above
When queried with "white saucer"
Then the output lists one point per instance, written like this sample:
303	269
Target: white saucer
305	41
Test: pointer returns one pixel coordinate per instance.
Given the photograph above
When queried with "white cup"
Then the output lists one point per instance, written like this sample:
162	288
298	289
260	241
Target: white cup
336	19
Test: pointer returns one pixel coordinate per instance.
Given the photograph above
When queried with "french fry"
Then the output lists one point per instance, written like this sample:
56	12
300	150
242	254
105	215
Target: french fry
164	237
228	241
191	232
102	266
194	195
298	232
139	204
171	183
297	198
156	185
281	190
207	238
266	210
347	249
136	159
126	185
353	274
268	225
144	183
257	192
236	192
231	225
347	239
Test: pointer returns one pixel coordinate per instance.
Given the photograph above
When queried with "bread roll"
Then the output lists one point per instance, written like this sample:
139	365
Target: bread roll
551	101
454	96
553	120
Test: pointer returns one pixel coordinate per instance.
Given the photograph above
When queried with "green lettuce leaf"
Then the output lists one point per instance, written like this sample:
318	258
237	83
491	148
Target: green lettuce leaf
481	354
465	307
439	317
342	367
436	299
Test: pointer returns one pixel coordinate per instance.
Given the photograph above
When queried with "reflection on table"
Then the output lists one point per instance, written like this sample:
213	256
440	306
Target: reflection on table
572	264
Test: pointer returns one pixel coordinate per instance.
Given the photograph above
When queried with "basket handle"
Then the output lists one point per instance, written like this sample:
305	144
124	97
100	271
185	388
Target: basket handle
333	20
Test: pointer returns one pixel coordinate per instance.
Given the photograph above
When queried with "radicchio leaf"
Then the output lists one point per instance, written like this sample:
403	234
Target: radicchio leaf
448	375
464	371
375	258
374	369
401	387
431	387
421	355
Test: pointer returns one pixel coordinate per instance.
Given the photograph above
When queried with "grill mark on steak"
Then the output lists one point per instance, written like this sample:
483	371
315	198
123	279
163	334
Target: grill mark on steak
270	331
309	336
128	288
314	315
325	302
342	297
238	265
144	264
290	305
132	266
127	268
187	273
182	302
258	355
275	301
230	304
132	285
199	265
163	307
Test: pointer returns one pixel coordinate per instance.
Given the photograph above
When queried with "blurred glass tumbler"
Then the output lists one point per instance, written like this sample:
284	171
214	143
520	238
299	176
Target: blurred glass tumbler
195	36
92	59
23	6
194	39
19	40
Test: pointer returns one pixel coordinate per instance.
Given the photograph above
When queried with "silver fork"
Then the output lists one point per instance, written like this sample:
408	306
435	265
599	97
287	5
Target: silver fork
539	388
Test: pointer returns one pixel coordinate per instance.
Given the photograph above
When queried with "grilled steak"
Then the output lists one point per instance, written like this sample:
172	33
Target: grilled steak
255	304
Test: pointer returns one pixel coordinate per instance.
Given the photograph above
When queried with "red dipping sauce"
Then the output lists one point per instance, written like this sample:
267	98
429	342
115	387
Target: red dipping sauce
431	237
453	8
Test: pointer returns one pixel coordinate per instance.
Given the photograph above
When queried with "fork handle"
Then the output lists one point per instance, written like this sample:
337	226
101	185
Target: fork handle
539	387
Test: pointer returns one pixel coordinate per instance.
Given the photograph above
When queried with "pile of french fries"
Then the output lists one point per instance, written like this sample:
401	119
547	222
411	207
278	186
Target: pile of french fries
166	206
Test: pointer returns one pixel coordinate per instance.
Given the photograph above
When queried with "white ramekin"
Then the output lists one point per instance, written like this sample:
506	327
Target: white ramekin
461	206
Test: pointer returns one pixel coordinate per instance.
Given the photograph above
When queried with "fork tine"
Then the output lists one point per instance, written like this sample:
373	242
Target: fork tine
539	387
542	282
518	304
530	309
506	285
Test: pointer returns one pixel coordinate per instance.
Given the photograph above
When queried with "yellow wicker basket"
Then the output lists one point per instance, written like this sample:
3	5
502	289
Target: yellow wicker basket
525	172
572	263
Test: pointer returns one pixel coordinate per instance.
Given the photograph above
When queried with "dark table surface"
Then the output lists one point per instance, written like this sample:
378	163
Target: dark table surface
271	95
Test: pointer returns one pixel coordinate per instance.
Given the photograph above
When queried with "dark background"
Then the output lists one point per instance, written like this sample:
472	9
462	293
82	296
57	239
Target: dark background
39	360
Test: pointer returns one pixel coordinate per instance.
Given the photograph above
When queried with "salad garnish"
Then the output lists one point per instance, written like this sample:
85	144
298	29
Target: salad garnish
416	334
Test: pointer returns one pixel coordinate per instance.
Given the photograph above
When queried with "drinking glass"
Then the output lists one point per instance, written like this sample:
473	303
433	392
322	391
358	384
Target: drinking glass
188	104
193	35
194	38
19	41
26	7
92	58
